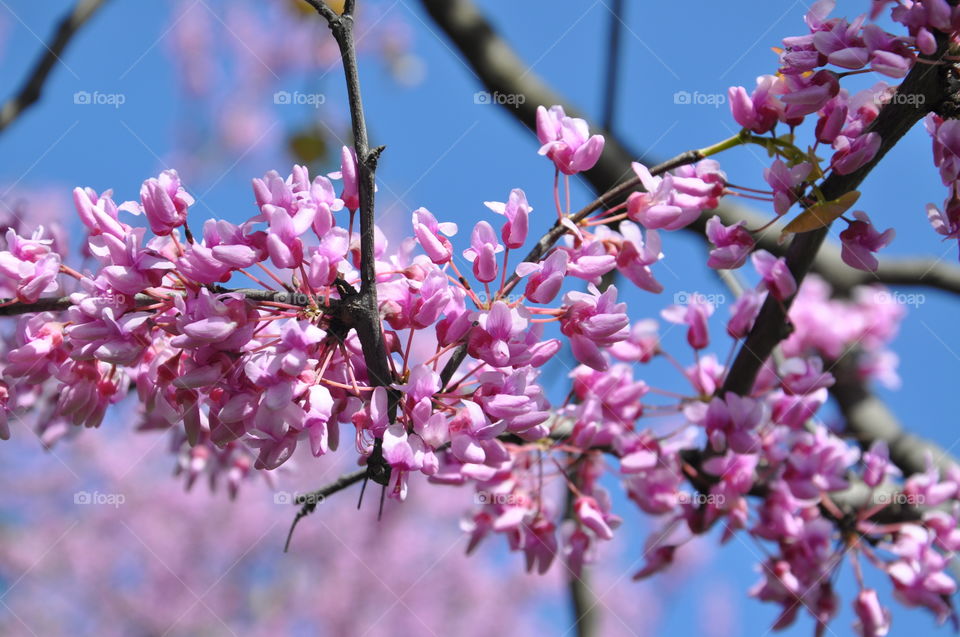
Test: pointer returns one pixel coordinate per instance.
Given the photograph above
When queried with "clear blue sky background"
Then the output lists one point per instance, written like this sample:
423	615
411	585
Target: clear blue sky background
449	154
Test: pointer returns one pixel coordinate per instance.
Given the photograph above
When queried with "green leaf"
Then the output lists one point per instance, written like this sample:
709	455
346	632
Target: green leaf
822	214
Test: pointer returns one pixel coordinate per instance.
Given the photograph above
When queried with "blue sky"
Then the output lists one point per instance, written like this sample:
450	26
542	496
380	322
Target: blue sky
450	154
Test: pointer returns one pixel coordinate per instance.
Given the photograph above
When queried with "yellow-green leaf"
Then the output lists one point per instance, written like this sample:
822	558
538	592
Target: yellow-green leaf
822	214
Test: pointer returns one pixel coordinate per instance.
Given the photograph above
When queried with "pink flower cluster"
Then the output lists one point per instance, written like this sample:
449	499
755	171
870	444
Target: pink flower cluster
805	85
240	377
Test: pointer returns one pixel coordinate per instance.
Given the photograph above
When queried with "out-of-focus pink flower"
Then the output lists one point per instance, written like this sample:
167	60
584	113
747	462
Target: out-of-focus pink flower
640	346
877	465
695	316
918	575
30	265
775	274
744	312
733	422
873	620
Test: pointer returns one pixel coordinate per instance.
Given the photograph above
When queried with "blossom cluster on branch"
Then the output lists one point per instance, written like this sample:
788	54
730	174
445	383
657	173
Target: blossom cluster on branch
242	377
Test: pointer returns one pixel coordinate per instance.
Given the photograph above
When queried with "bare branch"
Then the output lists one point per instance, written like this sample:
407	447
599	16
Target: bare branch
367	324
32	88
309	501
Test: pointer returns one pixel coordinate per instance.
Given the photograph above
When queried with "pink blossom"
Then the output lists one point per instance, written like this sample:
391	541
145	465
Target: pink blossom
851	155
759	111
546	277
590	515
733	422
636	256
733	244
498	329
801	376
784	181
860	240
517	212
818	463
662	205
567	141
873	620
775	274
918	575
640	346
165	202
877	465
946	223
224	249
348	172
482	252
30	265
695	316
744	312
592	321
433	235
833	116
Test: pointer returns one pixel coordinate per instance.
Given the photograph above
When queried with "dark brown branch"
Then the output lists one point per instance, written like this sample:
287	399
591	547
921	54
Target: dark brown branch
369	329
32	88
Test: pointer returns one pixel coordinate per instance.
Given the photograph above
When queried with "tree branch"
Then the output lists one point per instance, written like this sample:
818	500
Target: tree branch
368	326
32	88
